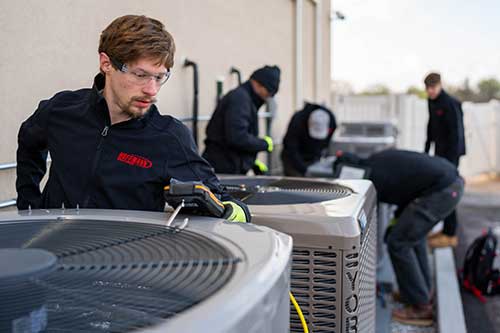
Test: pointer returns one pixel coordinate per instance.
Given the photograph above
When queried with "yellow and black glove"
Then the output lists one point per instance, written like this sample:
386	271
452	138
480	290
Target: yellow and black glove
270	144
260	168
236	212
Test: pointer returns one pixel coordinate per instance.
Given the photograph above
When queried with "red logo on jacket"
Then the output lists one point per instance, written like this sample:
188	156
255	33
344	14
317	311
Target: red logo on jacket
440	113
135	160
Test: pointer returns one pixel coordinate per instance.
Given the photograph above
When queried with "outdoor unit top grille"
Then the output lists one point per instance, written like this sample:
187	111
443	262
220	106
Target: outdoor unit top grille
107	276
272	191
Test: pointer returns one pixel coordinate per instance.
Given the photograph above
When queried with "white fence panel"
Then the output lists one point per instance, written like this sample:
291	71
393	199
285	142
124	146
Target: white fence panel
410	114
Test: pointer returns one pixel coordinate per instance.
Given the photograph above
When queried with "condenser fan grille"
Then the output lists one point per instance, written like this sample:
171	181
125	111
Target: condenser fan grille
272	191
115	276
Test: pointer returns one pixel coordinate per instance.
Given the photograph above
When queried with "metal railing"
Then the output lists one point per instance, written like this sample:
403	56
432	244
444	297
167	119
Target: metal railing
262	115
7	203
7	166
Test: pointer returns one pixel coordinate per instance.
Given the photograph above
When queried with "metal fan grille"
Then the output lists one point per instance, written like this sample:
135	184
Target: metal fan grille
262	191
117	276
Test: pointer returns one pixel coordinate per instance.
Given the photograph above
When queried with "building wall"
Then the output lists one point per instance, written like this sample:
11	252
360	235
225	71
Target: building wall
48	46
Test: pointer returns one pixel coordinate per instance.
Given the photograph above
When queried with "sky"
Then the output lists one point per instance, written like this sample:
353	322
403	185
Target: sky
396	42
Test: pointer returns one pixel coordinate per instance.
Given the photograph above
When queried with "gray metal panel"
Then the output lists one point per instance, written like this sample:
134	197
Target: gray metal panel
367	276
255	299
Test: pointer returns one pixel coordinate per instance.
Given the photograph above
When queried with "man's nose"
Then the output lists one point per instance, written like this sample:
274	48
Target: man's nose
151	88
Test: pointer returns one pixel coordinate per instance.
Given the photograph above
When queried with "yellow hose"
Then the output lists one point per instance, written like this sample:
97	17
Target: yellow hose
299	312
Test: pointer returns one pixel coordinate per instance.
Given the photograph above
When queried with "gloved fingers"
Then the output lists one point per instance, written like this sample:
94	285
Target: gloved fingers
261	166
270	144
234	212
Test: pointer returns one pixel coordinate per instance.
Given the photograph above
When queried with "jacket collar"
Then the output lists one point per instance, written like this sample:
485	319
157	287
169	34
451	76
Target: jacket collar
98	103
256	100
441	96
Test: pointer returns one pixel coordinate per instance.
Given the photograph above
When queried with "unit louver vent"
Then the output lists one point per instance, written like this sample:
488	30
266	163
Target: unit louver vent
109	276
314	284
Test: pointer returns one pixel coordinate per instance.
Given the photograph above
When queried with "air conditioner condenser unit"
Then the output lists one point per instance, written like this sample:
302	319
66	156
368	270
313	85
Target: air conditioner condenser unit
334	226
126	271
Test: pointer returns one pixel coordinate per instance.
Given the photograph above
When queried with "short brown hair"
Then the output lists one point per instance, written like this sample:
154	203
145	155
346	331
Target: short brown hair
132	37
432	79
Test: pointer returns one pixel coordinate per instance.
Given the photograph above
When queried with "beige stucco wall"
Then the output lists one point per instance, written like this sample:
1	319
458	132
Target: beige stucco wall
48	46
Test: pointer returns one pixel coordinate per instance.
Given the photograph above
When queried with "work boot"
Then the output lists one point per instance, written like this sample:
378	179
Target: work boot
442	240
416	315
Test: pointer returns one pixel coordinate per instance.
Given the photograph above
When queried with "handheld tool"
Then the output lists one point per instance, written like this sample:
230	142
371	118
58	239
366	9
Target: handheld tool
193	196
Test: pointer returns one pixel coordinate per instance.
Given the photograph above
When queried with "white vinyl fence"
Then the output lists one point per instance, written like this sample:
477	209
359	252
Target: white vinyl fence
409	113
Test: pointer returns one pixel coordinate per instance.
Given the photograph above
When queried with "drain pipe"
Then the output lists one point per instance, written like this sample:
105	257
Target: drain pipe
299	5
196	84
219	86
319	50
236	71
270	114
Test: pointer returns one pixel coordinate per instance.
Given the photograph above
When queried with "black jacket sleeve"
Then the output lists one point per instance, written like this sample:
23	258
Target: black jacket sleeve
428	140
237	123
187	165
292	140
32	157
453	121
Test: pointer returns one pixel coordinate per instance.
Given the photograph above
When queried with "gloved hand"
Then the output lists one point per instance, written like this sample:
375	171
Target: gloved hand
236	212
270	144
260	168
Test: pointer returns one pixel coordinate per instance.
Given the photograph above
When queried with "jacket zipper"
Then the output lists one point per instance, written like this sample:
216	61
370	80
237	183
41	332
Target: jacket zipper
97	157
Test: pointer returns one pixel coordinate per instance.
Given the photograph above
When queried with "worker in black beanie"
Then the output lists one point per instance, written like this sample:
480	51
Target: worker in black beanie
269	77
232	141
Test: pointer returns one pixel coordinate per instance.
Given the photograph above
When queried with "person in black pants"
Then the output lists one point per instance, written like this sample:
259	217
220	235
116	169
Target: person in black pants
446	130
309	134
232	141
425	189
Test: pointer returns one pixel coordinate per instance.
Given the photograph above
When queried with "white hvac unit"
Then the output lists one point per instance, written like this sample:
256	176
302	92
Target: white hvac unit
334	228
364	138
123	271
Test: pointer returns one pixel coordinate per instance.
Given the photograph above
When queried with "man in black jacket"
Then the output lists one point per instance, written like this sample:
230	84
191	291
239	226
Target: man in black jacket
308	135
109	145
425	189
232	141
446	130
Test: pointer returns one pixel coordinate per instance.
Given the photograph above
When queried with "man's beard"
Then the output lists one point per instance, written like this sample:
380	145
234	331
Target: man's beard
133	111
